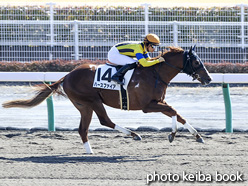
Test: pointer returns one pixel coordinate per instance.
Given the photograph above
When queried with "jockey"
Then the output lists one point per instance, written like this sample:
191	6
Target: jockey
129	53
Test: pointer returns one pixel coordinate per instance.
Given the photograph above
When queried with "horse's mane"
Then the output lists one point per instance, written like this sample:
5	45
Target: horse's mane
173	49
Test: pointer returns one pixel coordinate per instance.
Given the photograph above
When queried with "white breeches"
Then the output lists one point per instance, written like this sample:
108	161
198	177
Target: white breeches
115	57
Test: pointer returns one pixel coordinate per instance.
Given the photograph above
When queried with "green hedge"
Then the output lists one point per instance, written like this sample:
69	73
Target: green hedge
227	67
122	13
67	66
44	66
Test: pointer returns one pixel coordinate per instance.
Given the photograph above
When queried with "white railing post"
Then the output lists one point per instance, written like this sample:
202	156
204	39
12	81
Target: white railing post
175	33
242	14
146	13
51	12
76	40
50	108
242	28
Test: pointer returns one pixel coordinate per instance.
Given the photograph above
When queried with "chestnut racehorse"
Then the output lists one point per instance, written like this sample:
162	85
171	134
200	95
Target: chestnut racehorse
146	89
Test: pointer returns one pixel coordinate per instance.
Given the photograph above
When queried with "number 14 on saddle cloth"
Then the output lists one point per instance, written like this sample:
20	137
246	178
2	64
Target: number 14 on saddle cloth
103	78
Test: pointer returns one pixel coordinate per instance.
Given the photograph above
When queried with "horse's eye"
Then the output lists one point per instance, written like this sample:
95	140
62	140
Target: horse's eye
197	63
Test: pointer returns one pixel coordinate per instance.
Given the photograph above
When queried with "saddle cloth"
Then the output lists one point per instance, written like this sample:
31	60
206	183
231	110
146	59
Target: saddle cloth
103	80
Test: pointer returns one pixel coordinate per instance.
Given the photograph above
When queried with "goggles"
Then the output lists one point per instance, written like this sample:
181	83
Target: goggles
154	47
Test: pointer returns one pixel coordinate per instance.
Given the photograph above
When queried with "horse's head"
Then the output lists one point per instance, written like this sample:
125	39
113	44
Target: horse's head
193	66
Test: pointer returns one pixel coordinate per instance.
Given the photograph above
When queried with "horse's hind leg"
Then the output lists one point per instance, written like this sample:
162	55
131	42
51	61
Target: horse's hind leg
105	120
86	116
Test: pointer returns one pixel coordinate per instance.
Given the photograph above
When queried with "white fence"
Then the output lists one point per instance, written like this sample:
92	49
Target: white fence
51	32
55	76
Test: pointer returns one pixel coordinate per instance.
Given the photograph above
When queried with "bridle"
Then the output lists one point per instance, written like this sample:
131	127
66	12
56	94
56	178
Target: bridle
188	68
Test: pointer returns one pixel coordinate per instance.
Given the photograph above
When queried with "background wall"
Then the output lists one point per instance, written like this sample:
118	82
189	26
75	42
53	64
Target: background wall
51	31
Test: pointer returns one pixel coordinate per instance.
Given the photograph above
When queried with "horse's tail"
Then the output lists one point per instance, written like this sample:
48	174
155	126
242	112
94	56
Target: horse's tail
43	92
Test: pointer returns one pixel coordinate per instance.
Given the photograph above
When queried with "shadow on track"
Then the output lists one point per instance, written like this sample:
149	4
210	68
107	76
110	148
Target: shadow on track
86	159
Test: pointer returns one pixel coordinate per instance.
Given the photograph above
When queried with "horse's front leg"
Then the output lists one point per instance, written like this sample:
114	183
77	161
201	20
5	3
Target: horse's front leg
191	129
172	135
163	107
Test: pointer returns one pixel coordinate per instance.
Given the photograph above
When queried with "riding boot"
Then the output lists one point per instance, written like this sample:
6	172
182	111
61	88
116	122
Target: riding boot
119	75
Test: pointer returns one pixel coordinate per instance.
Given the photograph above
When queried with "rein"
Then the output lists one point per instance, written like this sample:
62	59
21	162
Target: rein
173	66
186	63
186	59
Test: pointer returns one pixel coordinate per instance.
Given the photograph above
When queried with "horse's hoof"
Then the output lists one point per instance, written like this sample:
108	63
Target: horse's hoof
200	140
137	137
171	137
89	153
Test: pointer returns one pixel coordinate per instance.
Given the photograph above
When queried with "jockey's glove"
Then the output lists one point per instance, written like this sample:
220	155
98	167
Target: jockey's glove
161	59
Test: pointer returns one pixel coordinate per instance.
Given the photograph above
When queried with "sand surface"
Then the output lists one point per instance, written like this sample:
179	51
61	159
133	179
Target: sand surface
58	158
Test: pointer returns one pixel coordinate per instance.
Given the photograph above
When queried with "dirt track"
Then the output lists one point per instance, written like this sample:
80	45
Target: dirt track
58	158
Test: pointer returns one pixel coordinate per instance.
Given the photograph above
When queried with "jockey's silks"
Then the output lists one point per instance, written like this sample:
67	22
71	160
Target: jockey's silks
136	50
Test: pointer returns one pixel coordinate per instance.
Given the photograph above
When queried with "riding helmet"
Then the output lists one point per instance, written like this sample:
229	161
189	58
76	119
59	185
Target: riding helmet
152	39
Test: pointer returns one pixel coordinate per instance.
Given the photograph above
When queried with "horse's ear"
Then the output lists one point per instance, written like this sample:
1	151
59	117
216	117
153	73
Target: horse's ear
194	47
190	50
